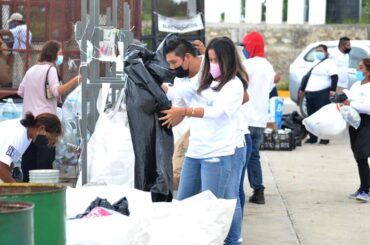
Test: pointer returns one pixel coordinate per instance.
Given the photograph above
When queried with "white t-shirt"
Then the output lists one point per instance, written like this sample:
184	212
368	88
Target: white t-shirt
342	62
320	76
261	79
216	136
20	36
14	141
185	88
181	84
360	97
188	87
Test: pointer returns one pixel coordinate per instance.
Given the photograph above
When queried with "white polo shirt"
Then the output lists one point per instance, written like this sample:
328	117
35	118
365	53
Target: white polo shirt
320	76
342	62
14	141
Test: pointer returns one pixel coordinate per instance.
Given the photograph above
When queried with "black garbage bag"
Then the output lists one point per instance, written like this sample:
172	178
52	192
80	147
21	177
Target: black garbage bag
338	98
152	143
120	206
293	121
154	62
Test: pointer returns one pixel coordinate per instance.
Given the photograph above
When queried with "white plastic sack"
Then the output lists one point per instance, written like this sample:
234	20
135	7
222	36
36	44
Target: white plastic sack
202	219
199	220
108	230
110	154
326	123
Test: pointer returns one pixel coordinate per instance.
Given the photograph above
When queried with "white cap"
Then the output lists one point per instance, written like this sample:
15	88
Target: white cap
16	17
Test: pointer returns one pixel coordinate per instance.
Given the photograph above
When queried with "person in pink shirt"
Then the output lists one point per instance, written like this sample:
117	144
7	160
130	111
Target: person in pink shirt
41	89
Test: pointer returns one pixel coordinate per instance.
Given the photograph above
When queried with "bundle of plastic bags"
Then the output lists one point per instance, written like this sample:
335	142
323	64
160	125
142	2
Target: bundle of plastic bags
351	116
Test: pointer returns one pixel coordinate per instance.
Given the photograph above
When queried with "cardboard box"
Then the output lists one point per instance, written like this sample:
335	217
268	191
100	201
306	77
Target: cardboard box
271	125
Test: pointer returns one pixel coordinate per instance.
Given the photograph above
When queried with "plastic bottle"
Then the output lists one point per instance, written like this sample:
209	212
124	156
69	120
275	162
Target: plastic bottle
9	110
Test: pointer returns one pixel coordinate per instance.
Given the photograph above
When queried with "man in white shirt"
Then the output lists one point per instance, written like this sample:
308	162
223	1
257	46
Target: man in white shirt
341	59
22	38
261	78
182	58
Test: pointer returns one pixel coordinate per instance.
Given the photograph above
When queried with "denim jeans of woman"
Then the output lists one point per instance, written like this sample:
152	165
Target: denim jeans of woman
220	175
199	175
232	192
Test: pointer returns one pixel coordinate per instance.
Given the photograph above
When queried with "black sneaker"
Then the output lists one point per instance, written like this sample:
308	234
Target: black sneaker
324	142
258	197
310	141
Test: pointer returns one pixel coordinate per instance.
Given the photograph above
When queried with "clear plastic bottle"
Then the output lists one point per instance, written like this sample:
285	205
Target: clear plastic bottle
9	110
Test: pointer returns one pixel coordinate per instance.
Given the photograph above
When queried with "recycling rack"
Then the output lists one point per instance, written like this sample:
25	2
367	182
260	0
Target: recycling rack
90	29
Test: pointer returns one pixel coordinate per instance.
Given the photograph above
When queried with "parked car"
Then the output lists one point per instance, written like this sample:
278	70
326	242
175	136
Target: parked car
304	61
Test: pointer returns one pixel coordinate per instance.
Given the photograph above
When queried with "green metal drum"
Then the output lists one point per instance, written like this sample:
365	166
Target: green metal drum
16	223
49	212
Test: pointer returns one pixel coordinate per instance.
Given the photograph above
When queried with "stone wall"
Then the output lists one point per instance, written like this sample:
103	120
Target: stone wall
284	42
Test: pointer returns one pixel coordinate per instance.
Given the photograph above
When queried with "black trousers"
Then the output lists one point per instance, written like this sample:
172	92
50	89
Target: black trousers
37	156
314	101
363	171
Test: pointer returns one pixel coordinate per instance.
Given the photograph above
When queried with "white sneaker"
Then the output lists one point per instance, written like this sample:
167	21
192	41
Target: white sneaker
362	197
353	195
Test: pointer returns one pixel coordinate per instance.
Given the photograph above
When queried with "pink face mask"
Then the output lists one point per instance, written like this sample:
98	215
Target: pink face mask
215	70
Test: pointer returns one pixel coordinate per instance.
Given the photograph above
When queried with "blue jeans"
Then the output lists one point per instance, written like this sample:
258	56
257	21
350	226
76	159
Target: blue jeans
199	175
254	164
248	141
232	192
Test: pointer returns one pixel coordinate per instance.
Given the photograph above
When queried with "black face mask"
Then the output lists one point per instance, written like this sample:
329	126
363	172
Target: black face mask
347	50
181	73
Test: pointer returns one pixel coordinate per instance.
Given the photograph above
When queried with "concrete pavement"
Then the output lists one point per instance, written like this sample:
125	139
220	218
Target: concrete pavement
307	199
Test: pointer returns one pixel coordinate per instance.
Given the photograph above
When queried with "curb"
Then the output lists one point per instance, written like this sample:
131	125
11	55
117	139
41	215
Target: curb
284	93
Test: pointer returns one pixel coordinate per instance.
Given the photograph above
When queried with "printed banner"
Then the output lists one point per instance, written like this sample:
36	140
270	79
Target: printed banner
167	24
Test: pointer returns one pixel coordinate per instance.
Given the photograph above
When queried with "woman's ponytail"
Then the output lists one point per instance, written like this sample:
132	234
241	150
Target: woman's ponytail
29	120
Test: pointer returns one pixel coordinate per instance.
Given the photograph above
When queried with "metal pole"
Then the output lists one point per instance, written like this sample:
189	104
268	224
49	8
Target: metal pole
114	13
84	90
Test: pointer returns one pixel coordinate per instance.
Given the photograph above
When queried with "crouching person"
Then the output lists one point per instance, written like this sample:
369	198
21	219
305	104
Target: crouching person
16	136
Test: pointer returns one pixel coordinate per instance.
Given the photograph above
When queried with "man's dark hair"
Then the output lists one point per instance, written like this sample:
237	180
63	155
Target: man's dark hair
366	63
49	51
180	46
343	40
323	46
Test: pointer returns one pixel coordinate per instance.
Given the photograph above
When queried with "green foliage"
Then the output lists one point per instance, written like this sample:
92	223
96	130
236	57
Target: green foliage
242	10
285	10
365	14
283	85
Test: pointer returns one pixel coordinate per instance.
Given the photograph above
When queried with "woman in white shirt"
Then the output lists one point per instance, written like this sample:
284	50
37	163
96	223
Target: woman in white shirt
321	83
360	137
17	135
216	142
